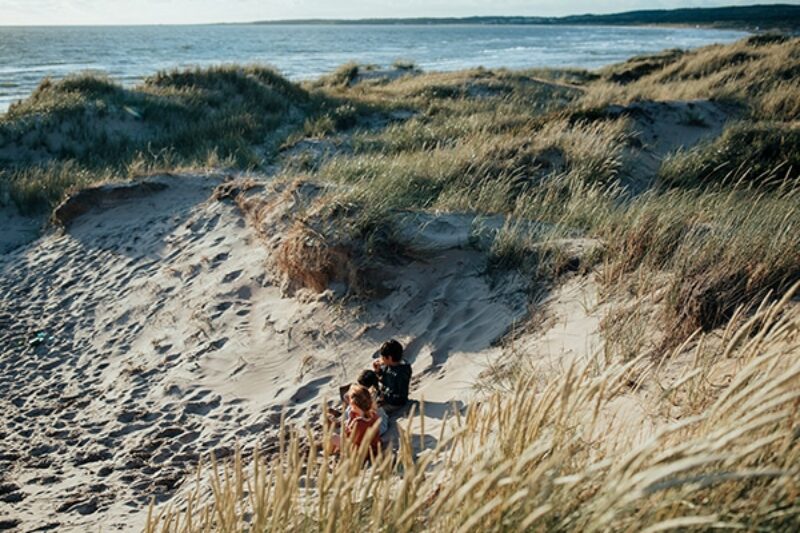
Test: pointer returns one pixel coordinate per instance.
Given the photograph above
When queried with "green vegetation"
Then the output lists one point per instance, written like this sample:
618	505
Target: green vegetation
724	159
717	232
710	234
550	457
533	146
85	129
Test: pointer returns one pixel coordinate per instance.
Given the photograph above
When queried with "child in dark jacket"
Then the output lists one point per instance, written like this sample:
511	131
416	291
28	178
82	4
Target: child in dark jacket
394	374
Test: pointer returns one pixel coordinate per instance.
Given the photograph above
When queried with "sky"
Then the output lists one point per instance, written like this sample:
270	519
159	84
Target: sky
55	12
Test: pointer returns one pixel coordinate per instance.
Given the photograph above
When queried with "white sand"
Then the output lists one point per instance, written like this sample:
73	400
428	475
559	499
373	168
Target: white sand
162	338
663	128
151	332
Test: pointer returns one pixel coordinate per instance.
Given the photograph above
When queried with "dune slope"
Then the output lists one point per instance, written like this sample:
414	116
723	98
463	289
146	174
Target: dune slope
138	339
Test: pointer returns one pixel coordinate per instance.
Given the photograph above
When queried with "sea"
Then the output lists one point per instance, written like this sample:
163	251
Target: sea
128	54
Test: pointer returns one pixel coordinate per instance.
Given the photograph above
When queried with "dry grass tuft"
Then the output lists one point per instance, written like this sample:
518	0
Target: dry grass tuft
558	456
306	259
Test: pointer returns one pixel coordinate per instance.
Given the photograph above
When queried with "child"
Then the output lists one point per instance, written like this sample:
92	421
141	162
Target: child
370	381
394	375
361	419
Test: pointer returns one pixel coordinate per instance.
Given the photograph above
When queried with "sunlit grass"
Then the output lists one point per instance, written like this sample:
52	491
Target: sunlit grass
94	127
697	262
554	456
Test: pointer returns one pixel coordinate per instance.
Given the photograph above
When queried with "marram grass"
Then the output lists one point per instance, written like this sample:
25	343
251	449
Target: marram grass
560	456
716	240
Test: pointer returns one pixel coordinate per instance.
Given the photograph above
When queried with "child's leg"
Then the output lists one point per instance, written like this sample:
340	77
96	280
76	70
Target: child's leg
335	443
383	427
393	409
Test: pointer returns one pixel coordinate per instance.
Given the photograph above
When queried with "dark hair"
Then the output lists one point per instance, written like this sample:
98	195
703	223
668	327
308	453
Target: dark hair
392	349
368	379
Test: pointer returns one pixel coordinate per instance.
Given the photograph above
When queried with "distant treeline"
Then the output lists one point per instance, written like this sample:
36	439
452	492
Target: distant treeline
775	16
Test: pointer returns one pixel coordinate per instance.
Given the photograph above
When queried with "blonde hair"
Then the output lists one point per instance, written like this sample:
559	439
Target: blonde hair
361	397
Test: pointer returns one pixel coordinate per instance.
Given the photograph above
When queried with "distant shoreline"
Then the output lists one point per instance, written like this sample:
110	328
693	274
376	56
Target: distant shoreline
390	24
20	81
751	18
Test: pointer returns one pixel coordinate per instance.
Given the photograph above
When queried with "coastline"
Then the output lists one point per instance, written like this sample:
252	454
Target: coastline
582	267
520	50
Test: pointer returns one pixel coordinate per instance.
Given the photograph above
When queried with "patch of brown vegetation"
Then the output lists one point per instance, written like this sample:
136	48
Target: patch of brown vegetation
288	219
231	188
306	260
711	296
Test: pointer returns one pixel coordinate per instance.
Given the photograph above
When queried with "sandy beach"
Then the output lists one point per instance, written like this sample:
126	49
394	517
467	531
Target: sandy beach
148	333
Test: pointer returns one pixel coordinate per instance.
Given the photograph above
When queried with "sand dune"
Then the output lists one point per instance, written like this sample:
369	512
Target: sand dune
663	128
149	332
184	315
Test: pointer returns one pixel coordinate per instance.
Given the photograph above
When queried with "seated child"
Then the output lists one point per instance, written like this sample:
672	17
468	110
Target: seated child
370	381
394	375
362	416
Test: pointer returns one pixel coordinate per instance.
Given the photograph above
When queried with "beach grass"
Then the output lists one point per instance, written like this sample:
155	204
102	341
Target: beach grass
97	129
716	230
563	455
712	242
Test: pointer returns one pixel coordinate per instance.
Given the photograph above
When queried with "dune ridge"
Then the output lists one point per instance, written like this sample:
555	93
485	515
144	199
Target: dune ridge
594	274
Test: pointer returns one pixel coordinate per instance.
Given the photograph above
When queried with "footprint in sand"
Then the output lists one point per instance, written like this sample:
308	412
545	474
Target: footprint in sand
11	493
78	505
244	293
8	524
220	309
217	344
219	259
202	408
232	276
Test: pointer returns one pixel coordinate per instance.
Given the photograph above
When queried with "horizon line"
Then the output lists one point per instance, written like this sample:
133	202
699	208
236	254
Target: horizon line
544	20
